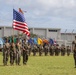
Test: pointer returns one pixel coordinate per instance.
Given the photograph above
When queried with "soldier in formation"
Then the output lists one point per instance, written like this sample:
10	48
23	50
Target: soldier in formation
63	49
18	52
40	50
68	50
46	49
57	50
35	49
74	50
25	52
29	48
6	52
12	53
16	49
51	50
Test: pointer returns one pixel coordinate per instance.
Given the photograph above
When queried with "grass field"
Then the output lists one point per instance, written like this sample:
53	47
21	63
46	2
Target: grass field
41	65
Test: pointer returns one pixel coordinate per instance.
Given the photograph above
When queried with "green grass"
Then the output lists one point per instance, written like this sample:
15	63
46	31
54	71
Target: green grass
41	65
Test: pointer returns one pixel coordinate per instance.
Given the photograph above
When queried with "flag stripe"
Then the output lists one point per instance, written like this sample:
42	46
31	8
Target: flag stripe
22	23
18	25
19	22
21	29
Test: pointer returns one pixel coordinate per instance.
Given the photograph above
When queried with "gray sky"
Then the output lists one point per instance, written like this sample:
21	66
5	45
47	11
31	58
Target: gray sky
41	13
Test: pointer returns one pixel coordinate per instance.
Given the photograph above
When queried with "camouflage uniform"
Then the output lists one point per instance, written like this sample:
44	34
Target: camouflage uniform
34	50
63	50
5	53
46	50
40	50
51	50
68	50
74	50
25	53
57	50
18	53
12	53
74	55
29	49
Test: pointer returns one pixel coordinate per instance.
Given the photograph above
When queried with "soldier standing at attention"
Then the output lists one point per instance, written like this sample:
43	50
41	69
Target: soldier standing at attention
74	50
18	52
34	50
6	52
46	49
57	50
68	50
63	50
40	49
25	52
29	48
12	53
51	50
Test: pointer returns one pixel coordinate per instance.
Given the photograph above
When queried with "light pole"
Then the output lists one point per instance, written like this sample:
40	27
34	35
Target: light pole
72	35
72	38
65	35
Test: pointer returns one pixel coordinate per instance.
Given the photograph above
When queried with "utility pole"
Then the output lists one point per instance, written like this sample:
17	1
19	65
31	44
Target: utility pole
72	35
65	34
65	37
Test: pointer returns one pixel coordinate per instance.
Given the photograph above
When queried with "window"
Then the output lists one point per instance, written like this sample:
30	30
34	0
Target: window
0	28
52	30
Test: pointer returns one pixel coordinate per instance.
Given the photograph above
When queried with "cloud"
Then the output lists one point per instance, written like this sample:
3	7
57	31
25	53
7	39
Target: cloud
51	13
43	7
57	3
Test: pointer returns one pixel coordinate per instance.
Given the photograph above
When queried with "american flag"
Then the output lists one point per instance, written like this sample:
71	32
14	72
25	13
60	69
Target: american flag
19	22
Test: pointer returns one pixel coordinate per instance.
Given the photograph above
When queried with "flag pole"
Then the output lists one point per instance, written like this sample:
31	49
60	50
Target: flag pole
20	10
12	24
18	34
12	33
12	30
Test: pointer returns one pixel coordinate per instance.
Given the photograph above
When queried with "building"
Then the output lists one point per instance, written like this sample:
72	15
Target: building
42	32
54	33
7	31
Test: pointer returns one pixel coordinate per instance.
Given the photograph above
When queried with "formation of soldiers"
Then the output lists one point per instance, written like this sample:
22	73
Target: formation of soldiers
50	50
14	51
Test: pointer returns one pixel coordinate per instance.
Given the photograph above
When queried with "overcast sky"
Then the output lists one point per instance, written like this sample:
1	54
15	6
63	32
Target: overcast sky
41	13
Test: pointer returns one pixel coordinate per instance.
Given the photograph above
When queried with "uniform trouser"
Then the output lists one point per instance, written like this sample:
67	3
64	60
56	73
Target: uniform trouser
5	57
68	53
62	53
18	55
52	52
29	52
12	58
46	52
75	60
56	53
34	53
40	53
25	57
